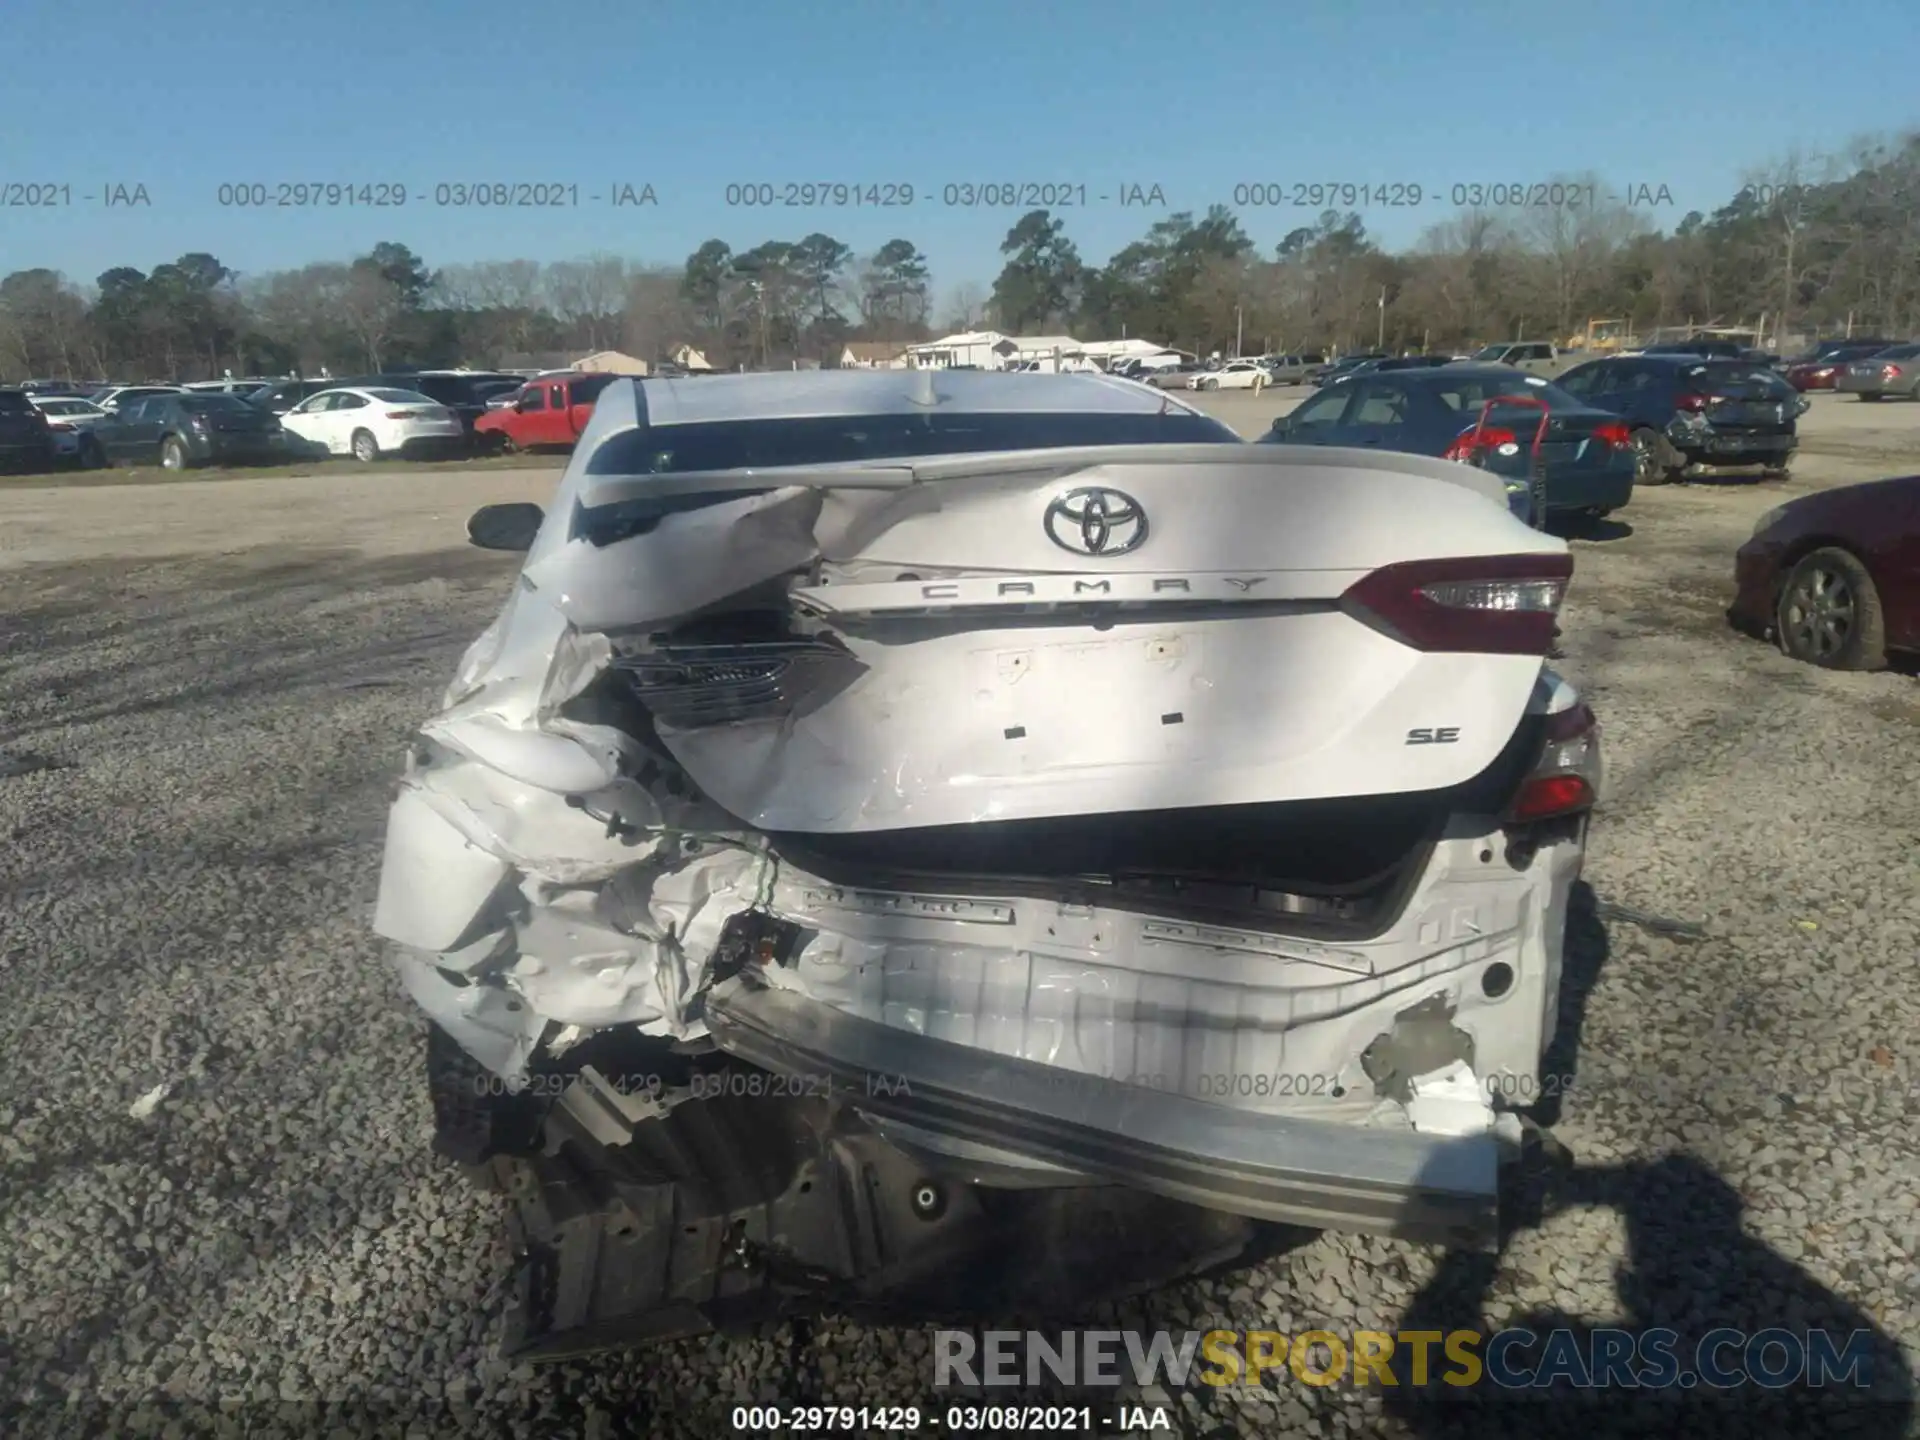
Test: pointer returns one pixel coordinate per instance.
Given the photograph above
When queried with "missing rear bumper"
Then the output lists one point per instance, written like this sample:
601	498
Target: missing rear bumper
1282	1169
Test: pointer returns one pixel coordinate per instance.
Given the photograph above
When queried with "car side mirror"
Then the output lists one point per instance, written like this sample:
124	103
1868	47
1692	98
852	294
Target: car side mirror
1802	405
1282	424
505	527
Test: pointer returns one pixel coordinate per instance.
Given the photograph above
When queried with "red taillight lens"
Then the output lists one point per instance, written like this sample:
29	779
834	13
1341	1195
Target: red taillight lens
1472	441
1890	371
1491	605
1547	795
405	414
1566	778
1614	433
1694	403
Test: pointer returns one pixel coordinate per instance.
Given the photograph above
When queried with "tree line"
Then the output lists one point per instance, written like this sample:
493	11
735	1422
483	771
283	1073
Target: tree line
1808	244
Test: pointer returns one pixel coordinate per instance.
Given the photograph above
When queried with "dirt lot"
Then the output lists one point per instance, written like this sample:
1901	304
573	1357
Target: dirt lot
223	675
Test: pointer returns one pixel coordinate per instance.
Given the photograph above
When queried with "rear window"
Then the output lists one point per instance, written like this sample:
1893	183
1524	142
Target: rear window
401	397
1898	352
1469	392
12	402
214	402
827	440
1740	372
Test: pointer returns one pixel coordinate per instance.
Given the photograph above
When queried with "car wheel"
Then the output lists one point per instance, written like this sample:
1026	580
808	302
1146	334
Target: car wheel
93	455
365	448
173	455
1829	613
1864	395
1652	457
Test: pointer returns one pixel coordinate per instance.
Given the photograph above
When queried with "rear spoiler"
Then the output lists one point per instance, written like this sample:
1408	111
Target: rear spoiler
601	490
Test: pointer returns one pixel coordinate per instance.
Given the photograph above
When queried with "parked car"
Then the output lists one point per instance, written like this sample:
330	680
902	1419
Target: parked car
1892	374
242	388
1834	577
1707	348
1294	369
1589	465
460	392
1536	357
1391	363
549	411
1345	365
502	397
1171	377
1684	411
368	422
69	418
283	395
178	431
26	443
114	396
1234	375
1821	369
757	798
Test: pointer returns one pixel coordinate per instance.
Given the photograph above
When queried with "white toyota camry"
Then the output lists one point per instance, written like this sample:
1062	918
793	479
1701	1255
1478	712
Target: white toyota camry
368	424
1095	805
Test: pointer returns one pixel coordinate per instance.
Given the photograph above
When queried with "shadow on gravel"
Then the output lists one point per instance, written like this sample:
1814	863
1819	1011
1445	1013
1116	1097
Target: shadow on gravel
1581	528
1692	1271
1695	1295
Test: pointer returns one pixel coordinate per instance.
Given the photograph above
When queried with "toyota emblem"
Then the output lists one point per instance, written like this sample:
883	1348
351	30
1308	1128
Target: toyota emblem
1096	521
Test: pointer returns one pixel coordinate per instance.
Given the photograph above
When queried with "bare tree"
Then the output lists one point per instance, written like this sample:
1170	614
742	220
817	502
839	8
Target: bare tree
371	306
1575	242
588	295
657	316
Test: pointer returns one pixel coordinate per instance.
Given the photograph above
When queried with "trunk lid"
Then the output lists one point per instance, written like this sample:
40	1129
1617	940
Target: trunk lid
950	640
1736	398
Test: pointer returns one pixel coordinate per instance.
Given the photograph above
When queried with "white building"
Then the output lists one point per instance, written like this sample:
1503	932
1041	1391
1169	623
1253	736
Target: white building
1105	352
976	348
874	355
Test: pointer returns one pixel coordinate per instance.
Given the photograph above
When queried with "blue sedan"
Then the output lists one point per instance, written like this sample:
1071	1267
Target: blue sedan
1587	453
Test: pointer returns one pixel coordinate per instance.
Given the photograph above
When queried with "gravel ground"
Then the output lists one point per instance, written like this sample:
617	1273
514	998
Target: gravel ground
224	674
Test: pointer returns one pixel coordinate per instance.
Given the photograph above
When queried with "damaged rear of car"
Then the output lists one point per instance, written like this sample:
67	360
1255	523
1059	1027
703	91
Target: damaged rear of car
902	819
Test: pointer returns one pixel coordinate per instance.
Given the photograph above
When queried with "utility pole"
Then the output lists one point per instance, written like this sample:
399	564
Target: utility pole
1380	336
1239	331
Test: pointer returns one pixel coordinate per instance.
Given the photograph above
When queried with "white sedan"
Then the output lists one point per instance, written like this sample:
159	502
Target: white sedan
367	424
1236	375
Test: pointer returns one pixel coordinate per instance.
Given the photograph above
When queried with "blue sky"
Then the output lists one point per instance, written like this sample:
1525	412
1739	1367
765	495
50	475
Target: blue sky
689	97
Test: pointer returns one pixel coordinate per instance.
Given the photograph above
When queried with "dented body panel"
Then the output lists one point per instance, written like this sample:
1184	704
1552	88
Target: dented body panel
851	770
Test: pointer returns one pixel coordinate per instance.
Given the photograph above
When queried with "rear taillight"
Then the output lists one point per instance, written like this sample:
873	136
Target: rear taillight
58	425
1472	442
688	686
1492	605
1566	778
1694	403
406	414
1614	433
1890	371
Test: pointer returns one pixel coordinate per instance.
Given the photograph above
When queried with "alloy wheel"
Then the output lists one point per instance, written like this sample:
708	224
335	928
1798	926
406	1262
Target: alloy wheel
1818	613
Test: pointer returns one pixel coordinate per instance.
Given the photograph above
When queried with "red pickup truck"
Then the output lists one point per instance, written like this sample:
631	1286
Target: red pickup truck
550	410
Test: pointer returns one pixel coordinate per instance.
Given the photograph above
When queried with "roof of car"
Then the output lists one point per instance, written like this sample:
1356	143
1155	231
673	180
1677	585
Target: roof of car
786	395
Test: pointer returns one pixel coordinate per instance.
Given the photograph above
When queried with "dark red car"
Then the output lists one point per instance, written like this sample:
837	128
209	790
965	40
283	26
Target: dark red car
1820	370
1834	577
